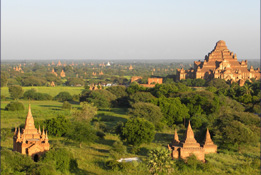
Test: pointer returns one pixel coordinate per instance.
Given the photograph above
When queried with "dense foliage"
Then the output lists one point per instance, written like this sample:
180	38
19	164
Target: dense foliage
137	131
16	91
14	106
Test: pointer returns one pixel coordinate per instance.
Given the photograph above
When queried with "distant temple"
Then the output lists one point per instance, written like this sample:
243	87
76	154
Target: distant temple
130	68
53	72
59	63
220	63
184	149
151	81
30	141
62	74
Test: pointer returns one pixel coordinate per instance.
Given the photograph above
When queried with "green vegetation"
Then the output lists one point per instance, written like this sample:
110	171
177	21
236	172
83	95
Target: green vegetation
14	106
90	130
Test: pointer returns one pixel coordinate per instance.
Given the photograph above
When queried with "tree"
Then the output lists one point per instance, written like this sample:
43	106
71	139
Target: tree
141	97
82	132
100	98
33	81
118	91
173	110
16	91
147	111
4	80
57	126
87	112
218	83
74	82
63	96
159	161
61	158
14	106
137	131
198	82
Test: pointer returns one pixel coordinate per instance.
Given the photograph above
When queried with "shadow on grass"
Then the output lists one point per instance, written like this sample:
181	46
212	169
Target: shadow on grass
106	142
122	111
74	102
163	138
83	172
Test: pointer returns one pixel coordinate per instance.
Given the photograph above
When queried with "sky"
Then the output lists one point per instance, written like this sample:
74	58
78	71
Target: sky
124	29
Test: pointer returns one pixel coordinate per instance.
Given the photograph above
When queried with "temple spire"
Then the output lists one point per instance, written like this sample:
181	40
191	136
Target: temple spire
39	130
176	137
208	139
15	131
190	140
18	134
29	122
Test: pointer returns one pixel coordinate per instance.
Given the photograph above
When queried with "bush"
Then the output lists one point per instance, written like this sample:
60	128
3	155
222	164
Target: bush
100	98
159	161
14	106
137	131
63	96
118	148
16	91
61	158
57	126
67	105
148	111
32	94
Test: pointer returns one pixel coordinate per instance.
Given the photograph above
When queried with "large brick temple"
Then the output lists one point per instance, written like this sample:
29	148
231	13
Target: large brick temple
30	141
220	63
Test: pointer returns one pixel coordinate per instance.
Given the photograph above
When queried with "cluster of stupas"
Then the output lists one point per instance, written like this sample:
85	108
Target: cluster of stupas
95	86
18	69
30	141
184	149
220	63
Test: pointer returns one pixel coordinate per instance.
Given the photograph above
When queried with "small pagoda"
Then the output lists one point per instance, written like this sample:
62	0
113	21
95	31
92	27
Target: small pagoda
30	141
184	149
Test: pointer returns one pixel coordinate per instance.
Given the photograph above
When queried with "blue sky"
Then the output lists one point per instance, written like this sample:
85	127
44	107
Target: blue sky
121	29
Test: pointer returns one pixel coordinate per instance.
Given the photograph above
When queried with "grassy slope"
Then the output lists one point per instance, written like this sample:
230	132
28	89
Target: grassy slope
91	158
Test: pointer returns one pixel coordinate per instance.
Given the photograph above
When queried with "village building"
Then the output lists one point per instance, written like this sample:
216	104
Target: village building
62	74
220	63
188	147
30	141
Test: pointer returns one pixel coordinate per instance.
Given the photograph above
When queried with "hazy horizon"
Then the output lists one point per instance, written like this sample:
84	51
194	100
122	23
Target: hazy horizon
117	30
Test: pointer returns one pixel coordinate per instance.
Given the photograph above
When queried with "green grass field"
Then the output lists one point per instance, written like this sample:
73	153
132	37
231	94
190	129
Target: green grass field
53	91
91	158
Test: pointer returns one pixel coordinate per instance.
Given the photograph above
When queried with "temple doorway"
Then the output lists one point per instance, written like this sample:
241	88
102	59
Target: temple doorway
36	158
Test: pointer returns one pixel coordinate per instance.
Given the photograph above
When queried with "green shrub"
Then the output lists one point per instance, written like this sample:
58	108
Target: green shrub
137	131
33	95
14	106
66	105
57	126
63	96
61	158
